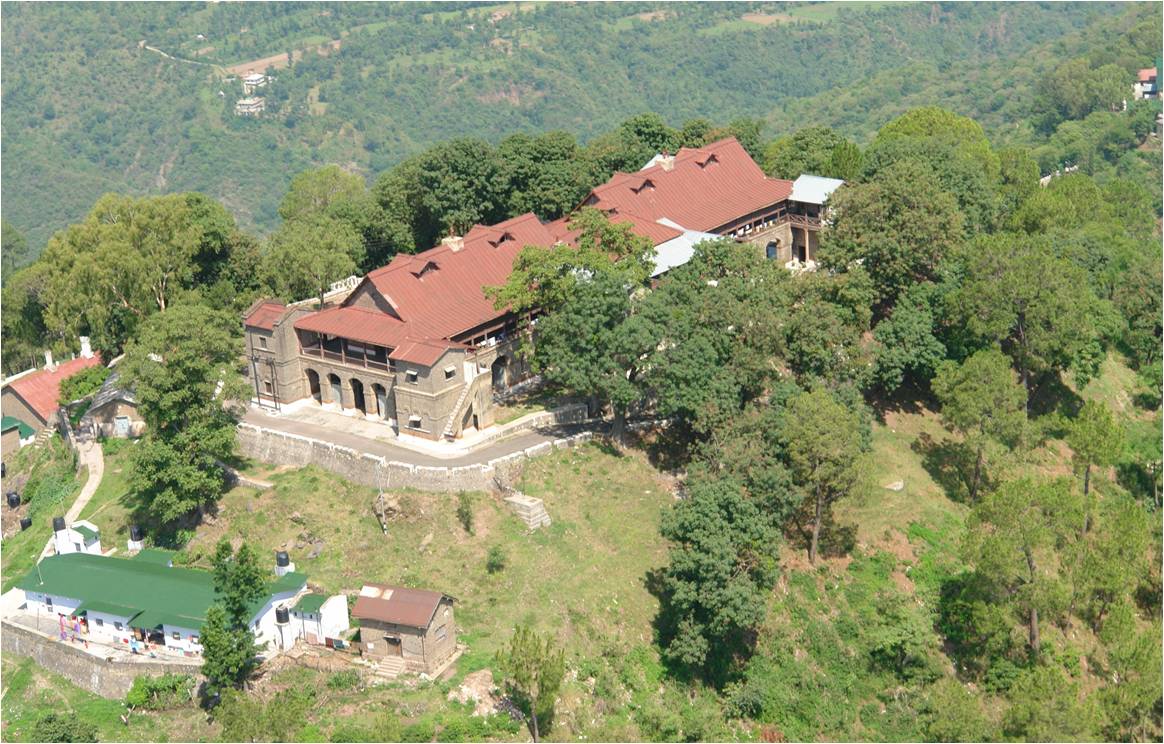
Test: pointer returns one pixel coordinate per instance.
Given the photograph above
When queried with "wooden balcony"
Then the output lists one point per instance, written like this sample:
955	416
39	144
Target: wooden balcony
340	353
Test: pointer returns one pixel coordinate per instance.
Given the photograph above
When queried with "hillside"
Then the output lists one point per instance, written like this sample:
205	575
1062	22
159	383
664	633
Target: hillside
139	98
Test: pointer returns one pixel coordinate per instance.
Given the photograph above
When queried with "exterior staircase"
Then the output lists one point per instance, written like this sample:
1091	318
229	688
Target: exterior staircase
390	667
458	410
528	509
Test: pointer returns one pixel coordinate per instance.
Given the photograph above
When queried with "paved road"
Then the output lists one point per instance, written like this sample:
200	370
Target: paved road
485	452
91	455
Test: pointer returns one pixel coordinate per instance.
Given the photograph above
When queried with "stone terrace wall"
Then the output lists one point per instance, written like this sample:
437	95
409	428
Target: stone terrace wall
109	679
281	448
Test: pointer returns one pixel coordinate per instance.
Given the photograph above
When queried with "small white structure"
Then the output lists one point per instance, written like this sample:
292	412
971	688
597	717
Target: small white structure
677	251
808	189
315	618
253	82
81	536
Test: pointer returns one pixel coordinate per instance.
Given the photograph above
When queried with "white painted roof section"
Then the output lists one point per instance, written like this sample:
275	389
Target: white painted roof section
813	189
677	251
652	161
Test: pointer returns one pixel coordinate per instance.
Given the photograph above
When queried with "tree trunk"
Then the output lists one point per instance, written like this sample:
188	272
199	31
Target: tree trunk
592	406
977	474
533	719
812	547
1086	498
1026	386
1034	632
618	428
1034	614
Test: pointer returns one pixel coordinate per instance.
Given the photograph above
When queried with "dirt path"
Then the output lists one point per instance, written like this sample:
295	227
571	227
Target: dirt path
91	455
279	61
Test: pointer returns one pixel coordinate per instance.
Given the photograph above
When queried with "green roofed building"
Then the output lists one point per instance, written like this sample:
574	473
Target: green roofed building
143	598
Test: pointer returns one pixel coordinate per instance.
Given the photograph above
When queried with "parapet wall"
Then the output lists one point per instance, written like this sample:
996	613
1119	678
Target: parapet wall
109	679
281	448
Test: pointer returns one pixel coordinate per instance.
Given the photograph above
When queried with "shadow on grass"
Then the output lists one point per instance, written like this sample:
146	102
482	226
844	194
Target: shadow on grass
948	463
836	539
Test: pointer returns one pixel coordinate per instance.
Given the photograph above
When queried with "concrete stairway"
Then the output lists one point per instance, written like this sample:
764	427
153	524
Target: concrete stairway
528	509
459	406
390	667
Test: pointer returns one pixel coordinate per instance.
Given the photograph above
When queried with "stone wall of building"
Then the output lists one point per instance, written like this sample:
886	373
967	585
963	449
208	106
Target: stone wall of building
281	448
109	679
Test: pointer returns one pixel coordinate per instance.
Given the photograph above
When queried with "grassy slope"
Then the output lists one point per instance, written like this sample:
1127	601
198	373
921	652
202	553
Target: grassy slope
583	580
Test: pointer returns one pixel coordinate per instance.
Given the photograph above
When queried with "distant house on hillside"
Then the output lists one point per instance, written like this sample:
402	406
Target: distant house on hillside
1146	85
250	106
253	82
32	397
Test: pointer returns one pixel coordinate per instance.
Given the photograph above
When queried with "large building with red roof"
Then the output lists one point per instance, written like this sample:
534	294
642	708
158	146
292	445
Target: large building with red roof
418	344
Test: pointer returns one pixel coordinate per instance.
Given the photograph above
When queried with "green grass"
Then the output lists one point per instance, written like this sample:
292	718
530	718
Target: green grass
825	12
578	579
37	462
30	692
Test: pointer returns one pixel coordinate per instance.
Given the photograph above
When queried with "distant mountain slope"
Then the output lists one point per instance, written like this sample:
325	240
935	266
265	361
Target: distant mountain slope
89	109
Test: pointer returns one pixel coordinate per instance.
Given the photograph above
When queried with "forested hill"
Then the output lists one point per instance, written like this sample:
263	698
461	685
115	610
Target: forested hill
138	97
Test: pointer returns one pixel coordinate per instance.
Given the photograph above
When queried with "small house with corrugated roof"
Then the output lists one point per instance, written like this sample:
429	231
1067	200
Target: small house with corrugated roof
414	625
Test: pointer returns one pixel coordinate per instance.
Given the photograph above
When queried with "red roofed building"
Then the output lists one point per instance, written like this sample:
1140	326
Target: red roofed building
33	397
419	345
1146	85
413	629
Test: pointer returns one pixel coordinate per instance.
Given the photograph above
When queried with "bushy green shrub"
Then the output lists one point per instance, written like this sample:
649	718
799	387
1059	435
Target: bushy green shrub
160	693
421	731
55	727
82	384
345	680
465	511
495	560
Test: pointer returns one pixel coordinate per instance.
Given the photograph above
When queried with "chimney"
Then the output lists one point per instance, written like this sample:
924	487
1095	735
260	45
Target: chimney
667	161
48	361
454	242
86	349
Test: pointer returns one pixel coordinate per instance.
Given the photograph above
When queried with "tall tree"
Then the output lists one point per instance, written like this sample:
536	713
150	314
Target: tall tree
721	566
1096	439
822	438
981	399
304	258
595	346
330	193
808	150
544	174
532	668
1018	293
239	581
545	278
900	226
128	259
184	368
1013	540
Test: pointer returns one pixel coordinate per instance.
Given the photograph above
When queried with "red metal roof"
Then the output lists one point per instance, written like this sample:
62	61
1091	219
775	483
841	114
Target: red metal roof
1146	74
356	323
440	292
394	604
264	314
41	390
706	188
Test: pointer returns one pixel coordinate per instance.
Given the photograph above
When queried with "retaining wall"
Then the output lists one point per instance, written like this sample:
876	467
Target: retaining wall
281	448
109	679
